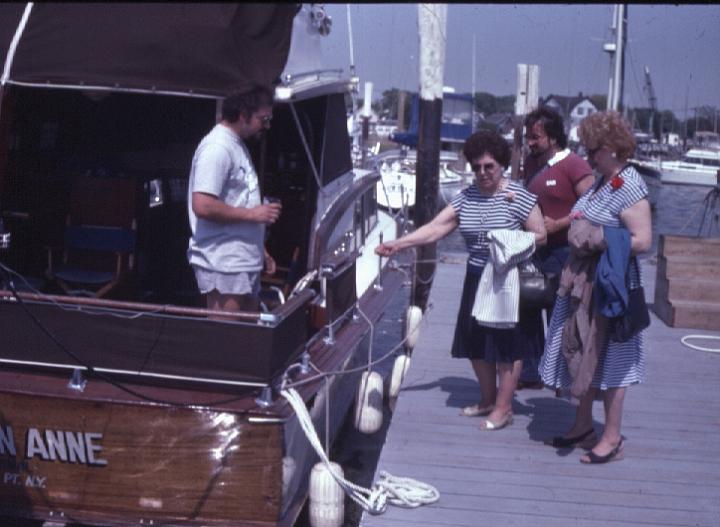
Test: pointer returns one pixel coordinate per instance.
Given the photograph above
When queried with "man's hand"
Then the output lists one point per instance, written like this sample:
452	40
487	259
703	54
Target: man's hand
266	213
270	265
552	225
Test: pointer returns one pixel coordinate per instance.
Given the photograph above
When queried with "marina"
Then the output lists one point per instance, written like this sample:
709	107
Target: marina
125	401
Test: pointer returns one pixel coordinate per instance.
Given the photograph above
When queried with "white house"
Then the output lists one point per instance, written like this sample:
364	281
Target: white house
572	109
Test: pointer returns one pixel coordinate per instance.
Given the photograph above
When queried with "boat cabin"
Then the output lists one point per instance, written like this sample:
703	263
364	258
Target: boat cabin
94	198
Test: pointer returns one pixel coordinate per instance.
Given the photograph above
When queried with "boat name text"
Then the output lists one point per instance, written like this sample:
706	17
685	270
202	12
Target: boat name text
55	445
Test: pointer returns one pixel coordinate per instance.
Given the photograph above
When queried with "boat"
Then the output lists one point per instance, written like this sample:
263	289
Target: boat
697	166
456	121
396	189
137	406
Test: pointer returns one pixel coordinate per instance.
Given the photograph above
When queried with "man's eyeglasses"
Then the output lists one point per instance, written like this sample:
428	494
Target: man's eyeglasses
265	119
592	151
487	167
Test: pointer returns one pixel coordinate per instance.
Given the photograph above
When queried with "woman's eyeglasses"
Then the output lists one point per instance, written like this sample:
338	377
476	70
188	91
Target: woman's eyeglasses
487	167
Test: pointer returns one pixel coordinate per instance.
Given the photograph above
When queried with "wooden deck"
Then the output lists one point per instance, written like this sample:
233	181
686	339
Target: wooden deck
670	474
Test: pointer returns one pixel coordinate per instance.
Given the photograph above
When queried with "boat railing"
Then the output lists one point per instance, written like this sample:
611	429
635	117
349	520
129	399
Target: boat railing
159	309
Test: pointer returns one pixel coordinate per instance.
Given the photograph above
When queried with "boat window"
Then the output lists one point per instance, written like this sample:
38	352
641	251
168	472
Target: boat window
342	239
366	215
336	159
456	110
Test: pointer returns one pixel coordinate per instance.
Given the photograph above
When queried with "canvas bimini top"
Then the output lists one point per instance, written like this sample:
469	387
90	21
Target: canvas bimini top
200	50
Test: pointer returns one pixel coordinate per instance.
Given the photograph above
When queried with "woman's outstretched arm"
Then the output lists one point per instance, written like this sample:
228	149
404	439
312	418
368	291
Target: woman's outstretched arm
440	226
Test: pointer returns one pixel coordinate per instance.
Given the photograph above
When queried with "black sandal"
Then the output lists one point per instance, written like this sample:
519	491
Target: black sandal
566	442
616	454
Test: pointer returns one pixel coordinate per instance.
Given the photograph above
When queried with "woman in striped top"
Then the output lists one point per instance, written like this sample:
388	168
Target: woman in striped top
491	203
617	199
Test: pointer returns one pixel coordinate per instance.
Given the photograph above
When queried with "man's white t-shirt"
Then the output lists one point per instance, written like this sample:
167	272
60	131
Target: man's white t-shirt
222	167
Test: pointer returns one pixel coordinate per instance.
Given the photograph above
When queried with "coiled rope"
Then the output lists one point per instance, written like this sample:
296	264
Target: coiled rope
401	492
700	348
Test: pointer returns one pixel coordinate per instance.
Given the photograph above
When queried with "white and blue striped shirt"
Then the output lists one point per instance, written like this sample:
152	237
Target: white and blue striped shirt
478	214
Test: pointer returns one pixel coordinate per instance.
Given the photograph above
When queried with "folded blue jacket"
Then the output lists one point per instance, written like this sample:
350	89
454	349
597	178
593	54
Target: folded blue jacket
610	289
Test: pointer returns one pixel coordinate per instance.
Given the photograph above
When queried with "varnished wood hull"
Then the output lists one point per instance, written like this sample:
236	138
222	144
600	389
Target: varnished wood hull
168	464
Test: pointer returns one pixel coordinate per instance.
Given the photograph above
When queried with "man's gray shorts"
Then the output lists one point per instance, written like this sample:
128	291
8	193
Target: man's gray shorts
227	283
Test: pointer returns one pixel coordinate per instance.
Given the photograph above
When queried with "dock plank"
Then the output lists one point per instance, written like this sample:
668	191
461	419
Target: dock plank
670	474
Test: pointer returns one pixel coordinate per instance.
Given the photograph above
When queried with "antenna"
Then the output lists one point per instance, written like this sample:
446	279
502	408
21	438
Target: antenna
350	39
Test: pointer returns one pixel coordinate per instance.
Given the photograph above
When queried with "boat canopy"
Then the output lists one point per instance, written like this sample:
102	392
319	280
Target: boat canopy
456	125
192	49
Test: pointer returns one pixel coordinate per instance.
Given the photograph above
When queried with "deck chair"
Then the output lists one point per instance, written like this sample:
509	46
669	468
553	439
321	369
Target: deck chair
99	237
95	259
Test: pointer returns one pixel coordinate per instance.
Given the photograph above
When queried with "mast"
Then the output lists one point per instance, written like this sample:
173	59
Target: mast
472	87
652	100
617	52
619	70
432	22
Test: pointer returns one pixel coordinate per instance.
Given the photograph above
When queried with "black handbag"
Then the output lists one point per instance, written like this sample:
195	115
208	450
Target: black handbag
537	289
635	319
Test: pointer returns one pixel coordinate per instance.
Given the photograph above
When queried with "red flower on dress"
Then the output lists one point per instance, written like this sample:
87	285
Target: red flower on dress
616	182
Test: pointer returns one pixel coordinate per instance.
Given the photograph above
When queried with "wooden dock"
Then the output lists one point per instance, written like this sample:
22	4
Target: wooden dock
670	474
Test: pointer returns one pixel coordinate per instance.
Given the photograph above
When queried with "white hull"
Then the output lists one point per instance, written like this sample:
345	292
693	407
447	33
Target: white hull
689	176
397	188
698	166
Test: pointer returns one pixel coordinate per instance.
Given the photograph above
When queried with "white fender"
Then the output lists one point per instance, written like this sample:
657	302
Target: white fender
413	317
327	500
400	367
369	403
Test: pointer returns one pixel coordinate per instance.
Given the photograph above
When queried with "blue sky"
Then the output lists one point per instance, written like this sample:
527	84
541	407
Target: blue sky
679	43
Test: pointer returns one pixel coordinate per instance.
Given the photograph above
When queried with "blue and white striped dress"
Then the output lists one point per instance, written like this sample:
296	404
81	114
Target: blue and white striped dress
622	363
478	214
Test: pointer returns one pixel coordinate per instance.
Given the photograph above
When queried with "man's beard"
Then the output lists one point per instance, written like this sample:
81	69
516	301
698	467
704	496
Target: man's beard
256	138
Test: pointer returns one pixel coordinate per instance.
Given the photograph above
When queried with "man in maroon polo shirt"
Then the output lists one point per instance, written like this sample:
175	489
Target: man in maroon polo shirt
558	177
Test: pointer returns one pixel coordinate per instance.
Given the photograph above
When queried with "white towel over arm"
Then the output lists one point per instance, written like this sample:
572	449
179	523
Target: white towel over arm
497	301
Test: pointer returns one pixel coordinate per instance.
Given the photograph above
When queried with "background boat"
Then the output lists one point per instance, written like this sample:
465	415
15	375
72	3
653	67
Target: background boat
697	166
397	169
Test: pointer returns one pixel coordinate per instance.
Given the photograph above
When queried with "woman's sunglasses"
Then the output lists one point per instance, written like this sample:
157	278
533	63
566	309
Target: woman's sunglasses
487	167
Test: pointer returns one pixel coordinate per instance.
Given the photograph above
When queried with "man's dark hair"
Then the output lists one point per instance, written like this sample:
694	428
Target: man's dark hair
552	123
487	142
246	102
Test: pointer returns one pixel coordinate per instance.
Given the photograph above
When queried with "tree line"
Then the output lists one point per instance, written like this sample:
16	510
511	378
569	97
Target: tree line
663	121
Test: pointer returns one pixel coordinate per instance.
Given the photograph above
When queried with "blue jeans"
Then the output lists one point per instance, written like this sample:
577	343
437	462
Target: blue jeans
550	260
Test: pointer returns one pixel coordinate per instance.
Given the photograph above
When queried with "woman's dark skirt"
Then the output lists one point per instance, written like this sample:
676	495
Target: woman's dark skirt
473	341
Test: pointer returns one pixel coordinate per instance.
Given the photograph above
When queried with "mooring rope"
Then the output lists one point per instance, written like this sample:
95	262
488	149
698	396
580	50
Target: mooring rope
700	348
401	492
